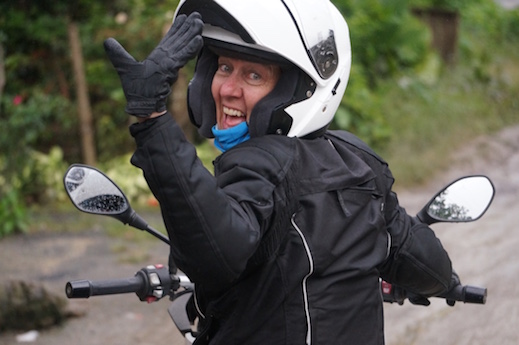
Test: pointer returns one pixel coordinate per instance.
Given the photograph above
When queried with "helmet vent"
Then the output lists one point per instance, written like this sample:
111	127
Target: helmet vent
325	57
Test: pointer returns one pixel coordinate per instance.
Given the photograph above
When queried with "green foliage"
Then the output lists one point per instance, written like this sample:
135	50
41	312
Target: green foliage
39	180
402	105
13	213
30	116
432	121
138	25
385	37
487	22
395	79
27	174
452	5
386	41
37	109
35	47
360	112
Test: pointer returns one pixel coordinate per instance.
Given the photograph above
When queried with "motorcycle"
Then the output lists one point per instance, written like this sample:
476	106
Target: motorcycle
91	191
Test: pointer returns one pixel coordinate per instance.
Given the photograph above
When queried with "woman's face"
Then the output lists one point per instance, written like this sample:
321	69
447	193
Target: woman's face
237	86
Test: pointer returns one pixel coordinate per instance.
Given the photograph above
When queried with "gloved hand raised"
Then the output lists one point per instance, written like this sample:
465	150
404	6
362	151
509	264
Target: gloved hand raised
147	84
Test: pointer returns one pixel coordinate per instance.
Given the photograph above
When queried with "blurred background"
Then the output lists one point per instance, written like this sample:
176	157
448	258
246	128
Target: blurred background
427	76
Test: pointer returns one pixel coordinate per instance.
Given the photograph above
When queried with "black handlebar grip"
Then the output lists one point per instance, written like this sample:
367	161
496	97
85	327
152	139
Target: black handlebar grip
87	288
474	294
78	289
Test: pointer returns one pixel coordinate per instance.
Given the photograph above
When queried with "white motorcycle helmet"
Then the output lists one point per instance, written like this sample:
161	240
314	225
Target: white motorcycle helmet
309	39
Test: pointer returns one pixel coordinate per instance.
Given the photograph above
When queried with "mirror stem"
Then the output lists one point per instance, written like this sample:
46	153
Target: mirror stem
158	235
138	222
424	217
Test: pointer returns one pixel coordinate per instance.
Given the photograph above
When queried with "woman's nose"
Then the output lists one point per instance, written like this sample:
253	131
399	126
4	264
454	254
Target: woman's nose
231	87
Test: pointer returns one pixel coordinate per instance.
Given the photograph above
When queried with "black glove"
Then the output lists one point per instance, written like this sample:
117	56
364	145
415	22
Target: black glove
147	84
418	299
455	281
421	300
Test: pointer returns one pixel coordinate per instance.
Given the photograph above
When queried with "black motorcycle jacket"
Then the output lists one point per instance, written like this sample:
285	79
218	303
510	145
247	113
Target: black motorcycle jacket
287	240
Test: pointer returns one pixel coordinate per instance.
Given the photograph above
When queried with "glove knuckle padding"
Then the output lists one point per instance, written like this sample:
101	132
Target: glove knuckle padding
421	265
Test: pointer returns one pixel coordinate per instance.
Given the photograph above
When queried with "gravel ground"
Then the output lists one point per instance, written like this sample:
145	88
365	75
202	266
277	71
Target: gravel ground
484	254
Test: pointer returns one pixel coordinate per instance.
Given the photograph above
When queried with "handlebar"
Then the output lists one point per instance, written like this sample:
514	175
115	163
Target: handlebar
466	294
150	284
87	288
460	293
154	282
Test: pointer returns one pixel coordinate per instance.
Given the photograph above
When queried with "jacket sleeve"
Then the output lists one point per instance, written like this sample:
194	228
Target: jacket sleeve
214	226
417	260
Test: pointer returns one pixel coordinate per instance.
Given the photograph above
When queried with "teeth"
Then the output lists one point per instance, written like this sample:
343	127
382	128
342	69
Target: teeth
232	112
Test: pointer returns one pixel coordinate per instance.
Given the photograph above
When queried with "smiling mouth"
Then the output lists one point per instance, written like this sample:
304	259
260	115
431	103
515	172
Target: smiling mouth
232	117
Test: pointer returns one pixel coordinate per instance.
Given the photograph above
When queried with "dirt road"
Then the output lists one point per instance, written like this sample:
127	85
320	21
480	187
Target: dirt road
55	259
484	253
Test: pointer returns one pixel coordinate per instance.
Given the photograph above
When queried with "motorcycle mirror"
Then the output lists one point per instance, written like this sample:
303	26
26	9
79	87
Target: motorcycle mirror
91	191
464	200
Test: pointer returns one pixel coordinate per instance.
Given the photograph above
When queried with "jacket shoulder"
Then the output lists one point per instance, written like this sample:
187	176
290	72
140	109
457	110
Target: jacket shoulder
355	142
270	156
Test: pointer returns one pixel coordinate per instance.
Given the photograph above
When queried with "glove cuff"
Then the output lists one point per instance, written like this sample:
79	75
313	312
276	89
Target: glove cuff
145	108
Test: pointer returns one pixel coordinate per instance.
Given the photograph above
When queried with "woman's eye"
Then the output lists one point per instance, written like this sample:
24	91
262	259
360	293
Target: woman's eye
255	78
224	68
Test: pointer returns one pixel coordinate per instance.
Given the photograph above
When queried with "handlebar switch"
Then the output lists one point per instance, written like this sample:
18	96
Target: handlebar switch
157	283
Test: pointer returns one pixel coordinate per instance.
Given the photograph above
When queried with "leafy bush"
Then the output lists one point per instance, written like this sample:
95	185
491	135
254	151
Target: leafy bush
29	117
13	213
360	112
29	176
44	175
385	37
386	41
490	22
432	121
453	5
29	121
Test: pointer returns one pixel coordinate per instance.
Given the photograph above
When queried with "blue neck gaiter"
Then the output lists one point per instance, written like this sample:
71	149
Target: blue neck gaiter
225	139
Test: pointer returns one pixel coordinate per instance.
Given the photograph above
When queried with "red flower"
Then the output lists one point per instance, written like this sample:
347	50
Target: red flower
17	100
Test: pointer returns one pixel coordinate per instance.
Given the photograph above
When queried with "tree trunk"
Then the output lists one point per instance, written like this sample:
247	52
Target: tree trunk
444	27
2	70
86	123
